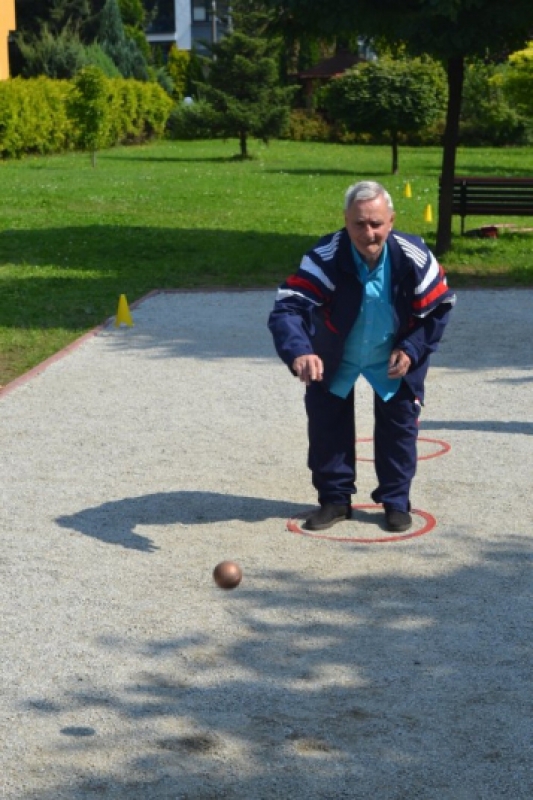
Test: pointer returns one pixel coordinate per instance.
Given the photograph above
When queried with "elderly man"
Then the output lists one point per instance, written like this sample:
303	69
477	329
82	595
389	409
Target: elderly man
366	300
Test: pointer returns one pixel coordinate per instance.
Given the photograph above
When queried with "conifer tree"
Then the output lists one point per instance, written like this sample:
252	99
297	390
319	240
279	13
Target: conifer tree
113	40
57	56
243	88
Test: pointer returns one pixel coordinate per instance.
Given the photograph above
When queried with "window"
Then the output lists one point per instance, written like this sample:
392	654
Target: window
163	18
199	10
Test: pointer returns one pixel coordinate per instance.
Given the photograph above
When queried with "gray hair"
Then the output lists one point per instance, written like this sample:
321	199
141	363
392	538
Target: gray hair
366	190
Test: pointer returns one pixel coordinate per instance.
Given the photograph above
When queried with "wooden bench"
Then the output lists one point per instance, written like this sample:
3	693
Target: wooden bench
472	196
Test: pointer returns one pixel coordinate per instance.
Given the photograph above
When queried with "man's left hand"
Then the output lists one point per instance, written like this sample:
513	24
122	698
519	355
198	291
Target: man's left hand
399	363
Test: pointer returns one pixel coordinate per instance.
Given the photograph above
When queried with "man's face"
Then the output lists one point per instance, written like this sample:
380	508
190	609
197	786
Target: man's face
368	223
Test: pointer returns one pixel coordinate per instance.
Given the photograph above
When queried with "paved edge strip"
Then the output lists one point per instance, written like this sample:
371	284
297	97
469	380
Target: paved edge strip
69	348
65	351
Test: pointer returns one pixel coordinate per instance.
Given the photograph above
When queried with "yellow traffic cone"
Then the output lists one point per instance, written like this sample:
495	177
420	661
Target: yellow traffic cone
407	191
428	214
123	312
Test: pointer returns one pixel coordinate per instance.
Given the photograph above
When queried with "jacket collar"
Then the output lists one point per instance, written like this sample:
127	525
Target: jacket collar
399	263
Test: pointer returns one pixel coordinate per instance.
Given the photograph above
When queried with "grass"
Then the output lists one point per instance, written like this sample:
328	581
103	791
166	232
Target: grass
189	215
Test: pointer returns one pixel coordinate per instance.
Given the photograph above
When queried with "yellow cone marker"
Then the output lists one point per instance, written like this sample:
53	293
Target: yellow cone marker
407	191
428	214
123	312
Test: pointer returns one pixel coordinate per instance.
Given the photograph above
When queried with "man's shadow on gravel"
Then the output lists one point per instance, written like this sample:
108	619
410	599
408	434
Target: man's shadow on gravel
115	522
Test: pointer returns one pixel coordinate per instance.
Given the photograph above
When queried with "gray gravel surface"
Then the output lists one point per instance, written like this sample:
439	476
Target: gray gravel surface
337	669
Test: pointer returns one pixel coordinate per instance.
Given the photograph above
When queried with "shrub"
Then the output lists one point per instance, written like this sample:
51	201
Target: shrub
41	115
139	110
162	77
157	106
56	129
97	57
88	107
33	117
309	126
517	81
487	117
197	120
178	65
312	126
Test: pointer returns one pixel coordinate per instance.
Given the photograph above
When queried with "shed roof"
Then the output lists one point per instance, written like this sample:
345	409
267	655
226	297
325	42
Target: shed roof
329	67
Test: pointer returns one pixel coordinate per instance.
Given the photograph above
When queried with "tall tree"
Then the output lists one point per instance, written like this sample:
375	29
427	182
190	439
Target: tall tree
134	18
448	30
243	89
31	14
113	40
68	13
48	40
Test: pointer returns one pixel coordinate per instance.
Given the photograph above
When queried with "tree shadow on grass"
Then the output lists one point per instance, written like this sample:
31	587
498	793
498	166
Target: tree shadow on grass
383	685
175	159
325	172
101	262
93	265
311	171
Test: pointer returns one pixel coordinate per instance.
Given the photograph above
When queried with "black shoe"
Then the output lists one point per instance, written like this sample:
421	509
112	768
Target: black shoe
398	521
327	515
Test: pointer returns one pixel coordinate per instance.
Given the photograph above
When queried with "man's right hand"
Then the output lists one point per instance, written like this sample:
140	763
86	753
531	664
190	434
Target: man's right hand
308	368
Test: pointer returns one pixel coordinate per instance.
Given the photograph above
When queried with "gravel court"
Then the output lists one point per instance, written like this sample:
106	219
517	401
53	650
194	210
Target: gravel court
134	464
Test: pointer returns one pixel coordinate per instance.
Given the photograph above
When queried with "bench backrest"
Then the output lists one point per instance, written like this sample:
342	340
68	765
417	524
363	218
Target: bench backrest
510	196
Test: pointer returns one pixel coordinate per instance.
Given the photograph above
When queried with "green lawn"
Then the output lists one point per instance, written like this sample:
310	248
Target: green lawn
188	214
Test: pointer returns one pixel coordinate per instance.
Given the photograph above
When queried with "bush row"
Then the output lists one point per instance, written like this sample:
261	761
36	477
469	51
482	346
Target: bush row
196	121
36	114
503	129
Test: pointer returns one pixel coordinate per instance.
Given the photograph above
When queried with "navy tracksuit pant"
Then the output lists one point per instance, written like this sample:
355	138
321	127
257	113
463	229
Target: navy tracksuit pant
331	430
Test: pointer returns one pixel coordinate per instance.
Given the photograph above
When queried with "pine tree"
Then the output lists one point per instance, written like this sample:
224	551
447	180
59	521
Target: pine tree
57	56
113	40
48	41
243	89
68	13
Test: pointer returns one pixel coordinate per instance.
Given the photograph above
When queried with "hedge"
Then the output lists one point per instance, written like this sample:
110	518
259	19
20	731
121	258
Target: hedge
33	117
36	114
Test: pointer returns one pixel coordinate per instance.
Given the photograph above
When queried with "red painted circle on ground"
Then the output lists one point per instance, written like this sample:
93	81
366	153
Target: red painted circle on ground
444	448
429	523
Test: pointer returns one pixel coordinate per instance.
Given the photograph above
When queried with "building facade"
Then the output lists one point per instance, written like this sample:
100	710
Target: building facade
189	23
7	24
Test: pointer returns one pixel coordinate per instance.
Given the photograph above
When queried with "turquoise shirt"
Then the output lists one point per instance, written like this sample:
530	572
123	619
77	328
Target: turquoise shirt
369	344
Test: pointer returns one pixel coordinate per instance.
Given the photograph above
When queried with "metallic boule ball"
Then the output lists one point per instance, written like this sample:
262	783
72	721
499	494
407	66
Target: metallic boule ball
227	574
